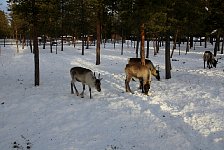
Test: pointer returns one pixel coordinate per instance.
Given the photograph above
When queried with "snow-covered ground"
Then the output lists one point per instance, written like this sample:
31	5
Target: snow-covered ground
182	113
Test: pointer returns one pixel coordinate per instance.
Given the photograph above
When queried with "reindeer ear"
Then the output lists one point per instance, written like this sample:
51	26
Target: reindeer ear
94	74
98	75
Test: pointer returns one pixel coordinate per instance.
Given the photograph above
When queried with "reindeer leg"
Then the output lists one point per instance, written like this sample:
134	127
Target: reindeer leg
141	86
72	92
127	87
204	64
209	64
83	89
140	83
90	95
77	92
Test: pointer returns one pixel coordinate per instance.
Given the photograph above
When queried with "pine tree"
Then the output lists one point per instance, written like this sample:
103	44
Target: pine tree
28	10
4	25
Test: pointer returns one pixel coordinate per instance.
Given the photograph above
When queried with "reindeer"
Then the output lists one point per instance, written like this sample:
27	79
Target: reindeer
85	76
148	64
141	72
209	57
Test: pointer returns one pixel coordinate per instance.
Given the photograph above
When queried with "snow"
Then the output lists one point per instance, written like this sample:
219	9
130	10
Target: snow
182	113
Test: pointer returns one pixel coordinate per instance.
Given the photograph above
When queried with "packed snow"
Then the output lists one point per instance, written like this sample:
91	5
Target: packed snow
181	113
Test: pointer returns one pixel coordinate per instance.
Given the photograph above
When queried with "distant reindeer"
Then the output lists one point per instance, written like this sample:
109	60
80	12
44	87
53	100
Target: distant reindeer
85	76
138	71
209	57
148	64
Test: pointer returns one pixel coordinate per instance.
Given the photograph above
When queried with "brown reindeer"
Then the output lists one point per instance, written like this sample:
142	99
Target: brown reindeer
148	64
138	71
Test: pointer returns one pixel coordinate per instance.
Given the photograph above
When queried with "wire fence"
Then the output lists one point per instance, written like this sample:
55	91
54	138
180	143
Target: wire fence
7	42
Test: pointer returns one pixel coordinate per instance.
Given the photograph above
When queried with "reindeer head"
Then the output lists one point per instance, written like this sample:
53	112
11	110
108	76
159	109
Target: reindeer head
214	62
157	73
98	82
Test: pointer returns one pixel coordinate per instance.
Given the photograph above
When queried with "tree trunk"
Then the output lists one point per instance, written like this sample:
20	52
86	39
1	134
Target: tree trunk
62	43
74	40
200	41
83	44
211	40
44	41
206	41
51	50
56	51
157	45
4	41
135	39
122	42
142	30
114	41
87	42
187	47
35	47
179	44
217	43
62	25
36	57
147	52
105	40
174	43
191	42
167	57
23	42
98	33
17	44
31	47
154	46
137	46
222	44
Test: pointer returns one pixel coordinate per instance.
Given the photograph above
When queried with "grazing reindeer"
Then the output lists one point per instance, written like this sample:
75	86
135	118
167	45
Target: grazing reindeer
85	76
209	57
148	64
138	71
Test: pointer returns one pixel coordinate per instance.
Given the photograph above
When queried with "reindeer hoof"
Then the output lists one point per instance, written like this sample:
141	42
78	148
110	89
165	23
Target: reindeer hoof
128	91
131	92
82	95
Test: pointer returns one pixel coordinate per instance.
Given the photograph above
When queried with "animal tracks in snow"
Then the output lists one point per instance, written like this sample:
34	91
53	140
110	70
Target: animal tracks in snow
26	144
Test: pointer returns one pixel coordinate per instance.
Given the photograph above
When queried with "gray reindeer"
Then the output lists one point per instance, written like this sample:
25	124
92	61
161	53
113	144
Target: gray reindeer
85	76
210	59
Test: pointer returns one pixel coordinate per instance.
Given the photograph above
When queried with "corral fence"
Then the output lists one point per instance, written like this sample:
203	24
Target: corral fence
4	42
